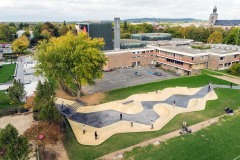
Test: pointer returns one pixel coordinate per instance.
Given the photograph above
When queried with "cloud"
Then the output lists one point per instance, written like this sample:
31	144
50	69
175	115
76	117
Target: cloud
78	10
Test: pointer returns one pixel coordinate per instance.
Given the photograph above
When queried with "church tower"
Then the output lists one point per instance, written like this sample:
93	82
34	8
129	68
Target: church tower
213	17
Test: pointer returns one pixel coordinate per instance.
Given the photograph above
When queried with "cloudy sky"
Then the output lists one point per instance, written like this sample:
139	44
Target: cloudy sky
78	10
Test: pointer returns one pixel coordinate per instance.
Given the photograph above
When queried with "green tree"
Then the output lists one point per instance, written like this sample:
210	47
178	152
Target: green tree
63	29
215	37
44	94
20	44
16	91
6	33
13	146
125	25
71	59
235	69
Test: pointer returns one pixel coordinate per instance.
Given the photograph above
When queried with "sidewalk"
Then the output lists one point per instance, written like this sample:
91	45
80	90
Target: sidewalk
165	137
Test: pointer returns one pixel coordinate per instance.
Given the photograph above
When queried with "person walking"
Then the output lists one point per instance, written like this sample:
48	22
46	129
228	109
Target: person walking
84	129
131	123
174	103
231	85
120	116
151	124
96	135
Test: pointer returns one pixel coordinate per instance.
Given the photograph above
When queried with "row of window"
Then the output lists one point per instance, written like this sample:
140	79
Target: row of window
174	61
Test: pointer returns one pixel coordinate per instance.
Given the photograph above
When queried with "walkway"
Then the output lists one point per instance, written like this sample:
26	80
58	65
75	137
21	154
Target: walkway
162	138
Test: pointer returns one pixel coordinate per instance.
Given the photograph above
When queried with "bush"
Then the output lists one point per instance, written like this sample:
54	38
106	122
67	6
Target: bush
235	69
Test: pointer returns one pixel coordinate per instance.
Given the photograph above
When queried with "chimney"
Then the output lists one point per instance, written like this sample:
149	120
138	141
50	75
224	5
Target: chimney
116	33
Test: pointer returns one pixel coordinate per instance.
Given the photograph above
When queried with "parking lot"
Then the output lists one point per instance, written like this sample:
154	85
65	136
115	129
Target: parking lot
125	77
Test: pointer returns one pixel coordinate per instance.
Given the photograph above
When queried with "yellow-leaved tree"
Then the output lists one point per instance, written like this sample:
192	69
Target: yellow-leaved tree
20	44
215	37
71	59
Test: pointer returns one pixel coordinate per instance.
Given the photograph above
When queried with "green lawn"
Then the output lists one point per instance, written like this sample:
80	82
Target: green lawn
227	97
6	72
5	106
209	72
219	141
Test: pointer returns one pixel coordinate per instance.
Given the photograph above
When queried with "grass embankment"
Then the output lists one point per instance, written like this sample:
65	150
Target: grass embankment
6	72
5	107
219	141
227	97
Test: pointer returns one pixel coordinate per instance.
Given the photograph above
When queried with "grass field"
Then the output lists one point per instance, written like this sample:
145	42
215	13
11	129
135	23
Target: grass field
5	107
227	97
219	141
6	72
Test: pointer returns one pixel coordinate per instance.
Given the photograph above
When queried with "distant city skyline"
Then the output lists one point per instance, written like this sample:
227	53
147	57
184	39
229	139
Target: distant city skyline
79	10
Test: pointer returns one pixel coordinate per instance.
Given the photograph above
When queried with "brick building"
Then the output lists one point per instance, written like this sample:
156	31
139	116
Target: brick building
177	56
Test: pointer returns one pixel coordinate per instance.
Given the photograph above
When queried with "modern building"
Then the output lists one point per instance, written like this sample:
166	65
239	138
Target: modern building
176	55
225	24
152	36
132	43
98	29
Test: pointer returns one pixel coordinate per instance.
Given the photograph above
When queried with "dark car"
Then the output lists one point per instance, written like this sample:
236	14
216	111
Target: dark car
157	74
137	73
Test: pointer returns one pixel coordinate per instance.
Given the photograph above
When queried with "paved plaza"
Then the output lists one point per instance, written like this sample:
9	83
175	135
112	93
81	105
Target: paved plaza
125	77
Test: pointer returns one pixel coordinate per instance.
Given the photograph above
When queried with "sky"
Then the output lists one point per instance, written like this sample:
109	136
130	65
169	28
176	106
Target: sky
79	10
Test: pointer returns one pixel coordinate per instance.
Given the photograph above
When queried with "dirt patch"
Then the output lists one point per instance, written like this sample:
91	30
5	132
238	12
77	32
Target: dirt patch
61	94
58	150
93	99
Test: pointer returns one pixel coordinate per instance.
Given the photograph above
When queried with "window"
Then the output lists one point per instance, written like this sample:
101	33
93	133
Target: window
192	58
221	58
235	56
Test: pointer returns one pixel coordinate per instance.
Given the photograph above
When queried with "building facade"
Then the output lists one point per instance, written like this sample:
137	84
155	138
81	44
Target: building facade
179	58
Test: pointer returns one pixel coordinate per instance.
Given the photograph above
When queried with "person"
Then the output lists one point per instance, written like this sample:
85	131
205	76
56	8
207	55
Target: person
151	124
96	135
231	85
174	103
184	124
120	116
84	129
131	123
209	88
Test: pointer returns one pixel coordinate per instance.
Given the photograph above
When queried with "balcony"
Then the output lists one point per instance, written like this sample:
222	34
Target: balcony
174	65
175	58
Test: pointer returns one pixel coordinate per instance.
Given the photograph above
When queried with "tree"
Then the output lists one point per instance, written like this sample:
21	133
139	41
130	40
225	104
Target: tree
7	32
29	103
16	91
71	59
215	37
125	25
13	146
44	103
20	44
63	29
44	133
235	69
44	94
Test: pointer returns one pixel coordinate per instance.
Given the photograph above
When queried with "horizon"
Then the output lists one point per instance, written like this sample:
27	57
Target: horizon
81	10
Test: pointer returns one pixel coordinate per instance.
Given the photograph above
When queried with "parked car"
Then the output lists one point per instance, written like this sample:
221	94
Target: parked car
153	67
137	73
8	45
108	70
157	74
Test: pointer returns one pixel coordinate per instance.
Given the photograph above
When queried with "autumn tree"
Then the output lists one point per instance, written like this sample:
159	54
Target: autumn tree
20	44
44	133
235	69
16	91
215	37
63	29
71	59
29	102
12	145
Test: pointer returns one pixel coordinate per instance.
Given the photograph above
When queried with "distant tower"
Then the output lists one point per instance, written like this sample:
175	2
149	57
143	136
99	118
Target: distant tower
116	33
213	17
